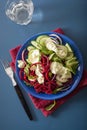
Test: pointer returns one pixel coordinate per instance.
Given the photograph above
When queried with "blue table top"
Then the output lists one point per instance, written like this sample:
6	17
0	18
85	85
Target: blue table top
48	15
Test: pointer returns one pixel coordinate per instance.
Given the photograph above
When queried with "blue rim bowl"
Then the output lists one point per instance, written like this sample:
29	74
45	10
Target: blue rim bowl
76	78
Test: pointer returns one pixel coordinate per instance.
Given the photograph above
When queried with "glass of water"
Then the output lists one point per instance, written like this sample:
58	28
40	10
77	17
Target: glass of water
20	11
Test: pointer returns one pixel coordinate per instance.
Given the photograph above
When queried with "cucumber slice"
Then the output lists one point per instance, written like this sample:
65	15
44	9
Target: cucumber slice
26	69
36	44
69	55
57	90
51	56
62	51
31	78
30	48
45	51
68	47
72	68
71	61
48	108
72	65
40	37
43	40
50	45
56	58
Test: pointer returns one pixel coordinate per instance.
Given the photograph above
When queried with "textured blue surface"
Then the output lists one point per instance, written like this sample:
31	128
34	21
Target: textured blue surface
71	16
76	79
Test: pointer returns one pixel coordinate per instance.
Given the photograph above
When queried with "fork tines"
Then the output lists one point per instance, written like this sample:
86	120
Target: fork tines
5	63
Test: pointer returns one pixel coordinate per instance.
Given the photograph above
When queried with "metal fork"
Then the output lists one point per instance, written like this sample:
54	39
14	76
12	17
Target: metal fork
8	71
11	75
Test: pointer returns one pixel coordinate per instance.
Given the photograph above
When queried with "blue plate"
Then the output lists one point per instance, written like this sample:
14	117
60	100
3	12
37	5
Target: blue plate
76	78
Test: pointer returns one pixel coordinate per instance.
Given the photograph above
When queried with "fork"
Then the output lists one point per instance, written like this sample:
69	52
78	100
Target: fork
12	76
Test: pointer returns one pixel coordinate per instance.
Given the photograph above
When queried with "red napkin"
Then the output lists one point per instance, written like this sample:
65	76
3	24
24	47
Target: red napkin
40	103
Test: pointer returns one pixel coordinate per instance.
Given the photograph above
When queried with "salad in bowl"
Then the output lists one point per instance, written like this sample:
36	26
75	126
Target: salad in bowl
49	65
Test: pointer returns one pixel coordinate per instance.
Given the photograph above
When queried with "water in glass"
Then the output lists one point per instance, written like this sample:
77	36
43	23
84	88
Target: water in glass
20	11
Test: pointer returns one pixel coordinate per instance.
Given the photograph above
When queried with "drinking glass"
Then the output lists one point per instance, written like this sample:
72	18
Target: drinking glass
20	11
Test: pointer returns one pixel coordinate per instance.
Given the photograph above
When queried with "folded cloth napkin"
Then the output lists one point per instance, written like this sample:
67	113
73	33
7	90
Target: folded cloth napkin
43	104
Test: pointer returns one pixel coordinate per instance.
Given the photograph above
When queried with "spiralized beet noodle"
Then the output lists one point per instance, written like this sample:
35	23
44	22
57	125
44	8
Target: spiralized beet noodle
49	81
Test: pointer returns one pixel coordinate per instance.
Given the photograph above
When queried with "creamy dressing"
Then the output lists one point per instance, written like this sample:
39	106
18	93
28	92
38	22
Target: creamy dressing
40	77
21	64
50	45
34	56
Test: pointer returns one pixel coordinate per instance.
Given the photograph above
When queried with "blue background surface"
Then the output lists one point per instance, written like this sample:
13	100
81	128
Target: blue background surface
71	16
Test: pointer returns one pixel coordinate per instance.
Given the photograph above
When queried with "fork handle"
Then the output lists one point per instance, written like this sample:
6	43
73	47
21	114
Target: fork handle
23	101
22	98
13	80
